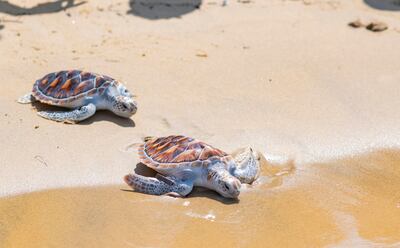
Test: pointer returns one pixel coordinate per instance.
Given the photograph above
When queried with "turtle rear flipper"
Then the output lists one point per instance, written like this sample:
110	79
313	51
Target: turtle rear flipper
74	116
147	185
165	179
27	98
247	168
154	186
147	138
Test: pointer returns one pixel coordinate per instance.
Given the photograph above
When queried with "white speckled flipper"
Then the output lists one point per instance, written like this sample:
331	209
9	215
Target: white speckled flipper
154	186
27	98
247	168
74	116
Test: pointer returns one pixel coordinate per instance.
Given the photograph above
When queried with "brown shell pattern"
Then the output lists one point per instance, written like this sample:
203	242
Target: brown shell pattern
69	84
178	149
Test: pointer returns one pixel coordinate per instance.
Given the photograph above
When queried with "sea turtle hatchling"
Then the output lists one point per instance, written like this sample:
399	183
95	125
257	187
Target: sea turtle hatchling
84	92
183	162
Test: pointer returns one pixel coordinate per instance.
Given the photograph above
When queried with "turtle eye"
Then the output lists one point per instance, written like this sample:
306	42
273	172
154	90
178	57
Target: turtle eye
226	186
125	106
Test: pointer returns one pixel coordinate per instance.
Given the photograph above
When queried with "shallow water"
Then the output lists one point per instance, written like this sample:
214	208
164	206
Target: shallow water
349	202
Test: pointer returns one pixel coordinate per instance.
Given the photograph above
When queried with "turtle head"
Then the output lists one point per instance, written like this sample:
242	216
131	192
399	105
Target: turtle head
224	183
123	106
247	167
229	187
120	101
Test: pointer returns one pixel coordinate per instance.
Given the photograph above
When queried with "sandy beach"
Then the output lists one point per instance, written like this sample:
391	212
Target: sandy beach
318	98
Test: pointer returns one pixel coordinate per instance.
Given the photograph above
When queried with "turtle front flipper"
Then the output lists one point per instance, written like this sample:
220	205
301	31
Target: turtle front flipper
74	116
27	98
154	186
247	168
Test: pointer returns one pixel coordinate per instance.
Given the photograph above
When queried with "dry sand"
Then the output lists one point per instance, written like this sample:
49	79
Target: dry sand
289	78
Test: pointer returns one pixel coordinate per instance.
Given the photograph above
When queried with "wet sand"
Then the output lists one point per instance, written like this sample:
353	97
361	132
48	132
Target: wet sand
289	78
351	202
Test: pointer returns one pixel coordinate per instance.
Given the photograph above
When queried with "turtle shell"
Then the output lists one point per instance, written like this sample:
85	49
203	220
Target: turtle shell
179	151
62	87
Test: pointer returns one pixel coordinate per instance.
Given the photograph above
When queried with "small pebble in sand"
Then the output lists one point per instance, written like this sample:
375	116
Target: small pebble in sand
377	26
201	54
356	24
36	127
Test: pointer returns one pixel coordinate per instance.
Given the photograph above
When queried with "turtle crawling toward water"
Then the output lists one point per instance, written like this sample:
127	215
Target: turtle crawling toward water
183	162
84	92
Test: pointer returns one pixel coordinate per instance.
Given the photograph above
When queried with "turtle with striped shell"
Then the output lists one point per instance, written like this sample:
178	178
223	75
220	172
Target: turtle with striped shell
83	92
183	162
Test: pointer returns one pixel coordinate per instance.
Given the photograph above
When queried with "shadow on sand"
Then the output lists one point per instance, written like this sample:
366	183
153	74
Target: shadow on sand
162	9
391	5
110	117
43	8
1	27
